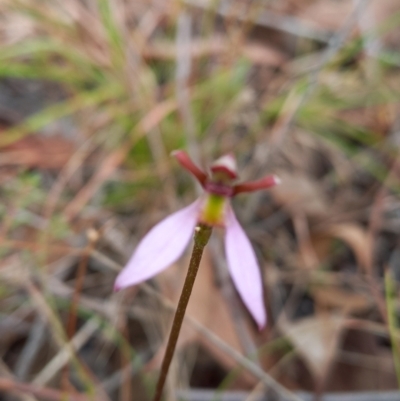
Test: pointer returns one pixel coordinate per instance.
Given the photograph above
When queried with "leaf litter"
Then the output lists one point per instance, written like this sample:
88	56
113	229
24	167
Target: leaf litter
323	258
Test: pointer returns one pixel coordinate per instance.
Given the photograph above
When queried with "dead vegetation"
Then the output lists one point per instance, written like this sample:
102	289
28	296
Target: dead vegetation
95	94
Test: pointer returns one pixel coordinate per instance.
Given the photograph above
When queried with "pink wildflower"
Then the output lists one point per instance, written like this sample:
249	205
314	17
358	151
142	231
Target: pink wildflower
166	241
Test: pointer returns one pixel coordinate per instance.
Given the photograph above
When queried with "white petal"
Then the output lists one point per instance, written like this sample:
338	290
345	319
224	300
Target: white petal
243	266
161	246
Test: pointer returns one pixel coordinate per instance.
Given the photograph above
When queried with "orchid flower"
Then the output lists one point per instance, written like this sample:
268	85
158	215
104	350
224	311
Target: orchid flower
166	241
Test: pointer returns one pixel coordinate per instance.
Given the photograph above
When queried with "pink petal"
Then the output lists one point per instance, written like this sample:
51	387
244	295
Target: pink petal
243	266
161	247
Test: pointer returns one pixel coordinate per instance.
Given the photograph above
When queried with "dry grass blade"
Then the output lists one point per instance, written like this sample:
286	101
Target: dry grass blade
64	355
270	19
114	160
95	94
281	129
9	385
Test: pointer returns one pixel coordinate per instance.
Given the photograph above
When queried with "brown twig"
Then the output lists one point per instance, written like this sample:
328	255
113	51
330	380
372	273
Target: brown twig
92	236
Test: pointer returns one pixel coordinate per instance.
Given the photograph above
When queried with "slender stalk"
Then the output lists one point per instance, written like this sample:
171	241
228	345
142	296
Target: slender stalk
390	289
201	237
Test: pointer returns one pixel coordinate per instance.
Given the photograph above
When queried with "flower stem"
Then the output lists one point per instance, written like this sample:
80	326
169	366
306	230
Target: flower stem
201	237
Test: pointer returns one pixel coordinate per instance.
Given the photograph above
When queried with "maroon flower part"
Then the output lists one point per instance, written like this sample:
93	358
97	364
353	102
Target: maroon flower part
226	165
166	242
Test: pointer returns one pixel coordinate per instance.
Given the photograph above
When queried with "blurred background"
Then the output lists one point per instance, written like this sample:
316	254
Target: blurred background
95	94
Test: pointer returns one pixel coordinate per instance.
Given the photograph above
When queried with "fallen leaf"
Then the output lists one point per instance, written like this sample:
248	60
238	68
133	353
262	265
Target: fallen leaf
316	339
299	193
343	301
262	54
328	14
46	152
306	251
356	237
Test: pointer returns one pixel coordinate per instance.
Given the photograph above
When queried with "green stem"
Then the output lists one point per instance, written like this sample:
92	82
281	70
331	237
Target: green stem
390	289
201	237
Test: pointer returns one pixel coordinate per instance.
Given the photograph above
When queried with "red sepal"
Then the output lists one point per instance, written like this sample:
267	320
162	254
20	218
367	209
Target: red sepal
186	162
251	186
